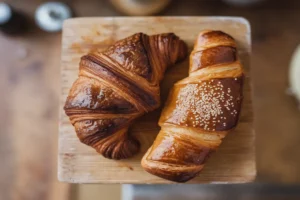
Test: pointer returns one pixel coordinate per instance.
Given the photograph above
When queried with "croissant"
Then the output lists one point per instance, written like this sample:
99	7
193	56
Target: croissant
200	110
117	86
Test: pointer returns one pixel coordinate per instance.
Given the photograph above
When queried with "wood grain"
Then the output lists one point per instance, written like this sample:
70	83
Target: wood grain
78	163
29	115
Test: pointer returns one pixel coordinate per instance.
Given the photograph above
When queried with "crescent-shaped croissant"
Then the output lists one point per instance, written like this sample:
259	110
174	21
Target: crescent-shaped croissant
118	85
201	109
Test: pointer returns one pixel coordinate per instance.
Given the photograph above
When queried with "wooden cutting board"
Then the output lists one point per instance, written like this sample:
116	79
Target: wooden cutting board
234	162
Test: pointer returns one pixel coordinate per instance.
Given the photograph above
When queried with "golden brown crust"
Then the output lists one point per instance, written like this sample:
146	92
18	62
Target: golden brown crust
212	56
90	95
118	85
172	172
131	55
208	39
212	105
179	150
200	110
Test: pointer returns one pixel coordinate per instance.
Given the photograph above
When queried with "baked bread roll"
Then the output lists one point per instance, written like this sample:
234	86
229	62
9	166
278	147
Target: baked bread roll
201	109
117	86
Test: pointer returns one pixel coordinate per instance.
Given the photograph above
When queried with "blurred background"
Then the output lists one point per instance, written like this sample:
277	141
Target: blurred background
30	42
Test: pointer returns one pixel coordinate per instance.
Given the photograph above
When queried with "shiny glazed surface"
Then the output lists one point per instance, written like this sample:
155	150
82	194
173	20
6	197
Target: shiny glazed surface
201	109
118	85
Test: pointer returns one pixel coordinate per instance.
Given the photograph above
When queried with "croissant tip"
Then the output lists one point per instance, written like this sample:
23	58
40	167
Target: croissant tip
179	177
120	150
210	32
172	172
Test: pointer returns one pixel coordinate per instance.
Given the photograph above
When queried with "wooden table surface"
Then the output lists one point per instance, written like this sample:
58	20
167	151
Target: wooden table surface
29	88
